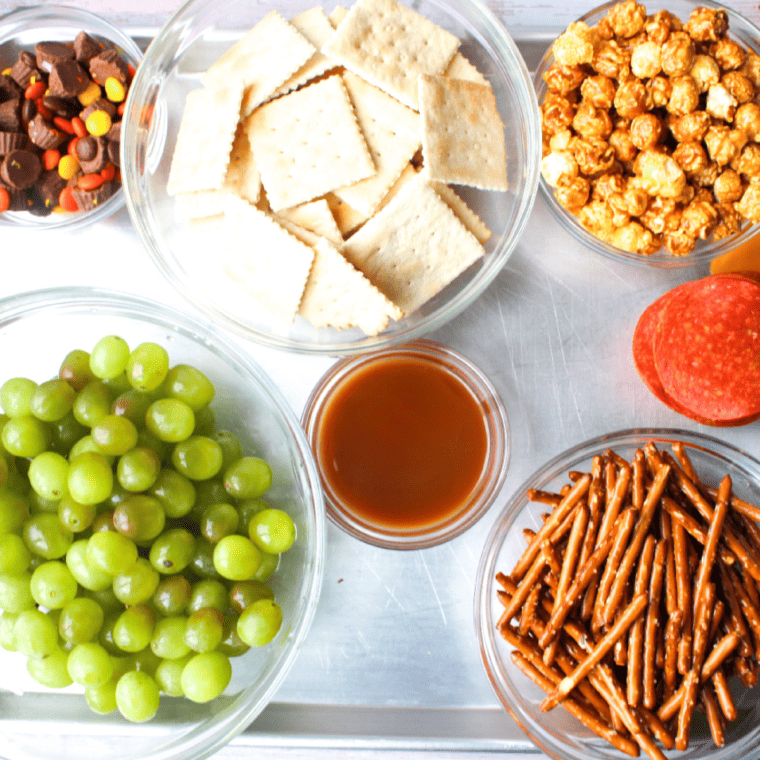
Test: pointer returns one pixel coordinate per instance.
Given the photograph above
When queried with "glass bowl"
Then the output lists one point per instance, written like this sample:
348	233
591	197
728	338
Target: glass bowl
21	30
421	358
195	37
740	29
38	724
556	732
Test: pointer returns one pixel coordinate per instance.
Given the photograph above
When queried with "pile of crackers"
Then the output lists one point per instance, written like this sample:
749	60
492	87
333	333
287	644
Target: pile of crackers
320	152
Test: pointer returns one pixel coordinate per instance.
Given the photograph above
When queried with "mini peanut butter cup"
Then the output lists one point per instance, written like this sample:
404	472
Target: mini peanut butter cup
92	153
25	69
20	169
109	64
8	88
50	53
10	115
89	199
48	188
68	79
43	134
100	104
62	106
85	48
10	141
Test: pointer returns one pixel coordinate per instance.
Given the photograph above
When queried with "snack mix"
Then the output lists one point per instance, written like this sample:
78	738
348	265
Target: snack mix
651	129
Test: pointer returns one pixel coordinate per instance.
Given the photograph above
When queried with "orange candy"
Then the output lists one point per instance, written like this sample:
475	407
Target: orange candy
72	149
63	124
50	158
5	200
108	173
90	181
35	90
79	127
43	110
67	201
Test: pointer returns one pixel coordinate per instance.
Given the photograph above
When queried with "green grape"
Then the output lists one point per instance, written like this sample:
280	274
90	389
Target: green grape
90	478
236	558
133	629
138	584
65	432
104	522
101	699
25	436
248	478
86	444
232	450
7	637
15	395
205	421
15	594
14	555
168	640
133	405
44	536
109	356
260	622
272	530
52	400
75	516
137	696
75	369
105	598
208	593
35	634
169	675
87	575
190	385
242	594
118	385
93	402
140	517
147	366
175	492
204	630
172	595
208	492
51	671
111	552
232	645
80	621
90	664
117	496
105	634
114	435
138	469
198	457
206	676
49	474
14	511
170	419
53	585
218	521
268	566
172	551
202	561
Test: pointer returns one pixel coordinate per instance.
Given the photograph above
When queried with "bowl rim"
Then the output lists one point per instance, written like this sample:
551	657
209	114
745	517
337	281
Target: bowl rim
19	20
477	383
561	463
203	740
659	260
147	81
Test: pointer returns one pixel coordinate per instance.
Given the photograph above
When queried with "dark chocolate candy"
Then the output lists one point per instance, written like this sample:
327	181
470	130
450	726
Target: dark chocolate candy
90	199
68	79
8	88
20	169
49	53
87	148
24	69
28	112
48	187
109	64
85	48
97	150
10	141
43	134
62	106
10	115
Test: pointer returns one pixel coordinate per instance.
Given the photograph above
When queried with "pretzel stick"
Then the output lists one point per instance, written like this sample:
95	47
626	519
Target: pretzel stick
652	622
544	497
683	459
752	593
714	717
751	613
723	695
683	587
614	498
741	506
636	634
693	528
620	650
735	616
552	557
666	534
528	535
527	583
639	480
634	609
657	727
672	632
576	493
528	612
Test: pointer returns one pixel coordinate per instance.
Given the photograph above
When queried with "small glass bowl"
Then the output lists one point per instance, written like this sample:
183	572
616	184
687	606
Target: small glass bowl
36	331
495	464
21	30
741	30
187	45
556	732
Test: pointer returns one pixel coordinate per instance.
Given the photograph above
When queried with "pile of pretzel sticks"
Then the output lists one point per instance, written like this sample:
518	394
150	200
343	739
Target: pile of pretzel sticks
637	599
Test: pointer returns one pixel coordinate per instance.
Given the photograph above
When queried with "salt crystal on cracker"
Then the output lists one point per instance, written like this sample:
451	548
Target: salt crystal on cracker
462	133
392	132
463	212
339	295
264	259
461	68
388	44
414	247
308	143
204	140
316	217
262	60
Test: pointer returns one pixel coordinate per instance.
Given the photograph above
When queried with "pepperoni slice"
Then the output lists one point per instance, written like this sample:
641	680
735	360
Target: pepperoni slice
706	348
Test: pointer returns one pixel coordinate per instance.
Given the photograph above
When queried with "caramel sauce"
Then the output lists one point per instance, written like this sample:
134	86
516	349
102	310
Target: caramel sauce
402	443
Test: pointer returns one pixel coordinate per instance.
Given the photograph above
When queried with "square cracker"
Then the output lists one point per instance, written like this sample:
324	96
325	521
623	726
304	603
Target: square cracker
462	133
267	262
346	217
392	132
339	295
463	212
316	217
461	68
337	14
388	44
308	143
204	140
414	247
262	60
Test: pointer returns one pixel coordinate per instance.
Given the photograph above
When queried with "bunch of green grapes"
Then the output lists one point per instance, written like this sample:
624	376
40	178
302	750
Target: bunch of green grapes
134	543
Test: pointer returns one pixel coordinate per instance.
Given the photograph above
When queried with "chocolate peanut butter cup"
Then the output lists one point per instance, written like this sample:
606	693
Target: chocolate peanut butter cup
68	79
50	53
20	169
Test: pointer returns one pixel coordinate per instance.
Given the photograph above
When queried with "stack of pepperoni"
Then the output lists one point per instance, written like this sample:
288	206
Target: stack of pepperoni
697	348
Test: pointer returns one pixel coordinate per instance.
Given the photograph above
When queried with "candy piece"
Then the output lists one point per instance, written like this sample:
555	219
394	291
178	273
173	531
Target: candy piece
87	148
85	48
113	153
89	199
5	200
60	107
10	115
10	141
67	201
50	53
115	91
43	135
109	64
35	89
20	169
50	159
99	104
68	167
80	130
90	95
89	181
25	69
98	123
8	88
68	79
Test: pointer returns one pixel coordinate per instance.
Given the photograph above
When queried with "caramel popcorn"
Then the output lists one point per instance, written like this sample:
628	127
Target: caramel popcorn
651	128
